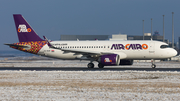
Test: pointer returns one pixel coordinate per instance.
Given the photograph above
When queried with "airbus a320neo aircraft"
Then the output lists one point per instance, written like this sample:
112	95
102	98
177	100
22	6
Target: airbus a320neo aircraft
106	53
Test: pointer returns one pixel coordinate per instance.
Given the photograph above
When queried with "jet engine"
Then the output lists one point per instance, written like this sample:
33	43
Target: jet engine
109	60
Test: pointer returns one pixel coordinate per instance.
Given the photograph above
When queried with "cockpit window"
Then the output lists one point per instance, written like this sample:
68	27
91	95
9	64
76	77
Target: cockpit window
164	46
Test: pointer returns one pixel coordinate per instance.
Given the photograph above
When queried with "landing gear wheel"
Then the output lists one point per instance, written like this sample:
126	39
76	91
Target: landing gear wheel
153	66
153	63
100	65
90	65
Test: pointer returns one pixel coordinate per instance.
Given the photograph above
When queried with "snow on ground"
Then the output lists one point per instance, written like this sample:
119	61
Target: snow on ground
88	85
46	62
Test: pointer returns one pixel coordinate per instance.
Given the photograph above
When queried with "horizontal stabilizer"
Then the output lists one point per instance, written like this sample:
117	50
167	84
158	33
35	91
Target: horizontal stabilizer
21	46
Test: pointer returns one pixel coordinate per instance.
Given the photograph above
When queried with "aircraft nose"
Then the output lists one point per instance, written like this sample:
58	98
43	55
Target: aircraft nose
174	52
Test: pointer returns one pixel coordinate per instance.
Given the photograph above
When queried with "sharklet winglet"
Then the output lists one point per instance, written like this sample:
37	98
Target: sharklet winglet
49	44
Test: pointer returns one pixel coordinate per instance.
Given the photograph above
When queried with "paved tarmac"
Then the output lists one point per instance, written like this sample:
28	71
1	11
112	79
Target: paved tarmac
87	69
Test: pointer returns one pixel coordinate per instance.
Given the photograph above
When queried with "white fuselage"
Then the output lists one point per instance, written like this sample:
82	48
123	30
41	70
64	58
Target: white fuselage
137	49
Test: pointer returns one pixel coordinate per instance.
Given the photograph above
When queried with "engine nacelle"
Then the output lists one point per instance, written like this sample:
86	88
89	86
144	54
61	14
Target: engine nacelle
109	60
126	62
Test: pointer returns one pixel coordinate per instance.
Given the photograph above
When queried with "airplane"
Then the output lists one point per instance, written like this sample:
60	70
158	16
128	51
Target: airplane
106	53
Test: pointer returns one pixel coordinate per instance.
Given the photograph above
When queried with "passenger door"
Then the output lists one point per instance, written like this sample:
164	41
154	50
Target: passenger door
152	48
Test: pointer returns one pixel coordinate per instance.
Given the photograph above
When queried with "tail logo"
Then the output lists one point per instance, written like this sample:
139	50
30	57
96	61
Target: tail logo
23	28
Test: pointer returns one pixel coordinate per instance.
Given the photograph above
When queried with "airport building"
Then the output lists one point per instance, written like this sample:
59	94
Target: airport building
147	36
118	37
84	37
179	46
131	37
179	43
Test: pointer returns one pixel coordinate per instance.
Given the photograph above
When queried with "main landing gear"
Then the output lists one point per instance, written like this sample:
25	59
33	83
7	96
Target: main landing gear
91	65
100	65
153	63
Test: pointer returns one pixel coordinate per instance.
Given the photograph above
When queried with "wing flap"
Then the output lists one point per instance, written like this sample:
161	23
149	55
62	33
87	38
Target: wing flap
81	51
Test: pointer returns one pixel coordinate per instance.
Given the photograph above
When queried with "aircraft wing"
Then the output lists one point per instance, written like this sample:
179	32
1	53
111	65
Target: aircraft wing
94	53
84	52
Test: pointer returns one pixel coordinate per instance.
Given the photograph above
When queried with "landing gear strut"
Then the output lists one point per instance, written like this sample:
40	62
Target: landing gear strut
90	65
153	63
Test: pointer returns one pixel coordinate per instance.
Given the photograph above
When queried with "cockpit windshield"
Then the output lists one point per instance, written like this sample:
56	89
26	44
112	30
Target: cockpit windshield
164	46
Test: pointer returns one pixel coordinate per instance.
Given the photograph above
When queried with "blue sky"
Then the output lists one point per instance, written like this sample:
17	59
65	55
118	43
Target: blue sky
53	18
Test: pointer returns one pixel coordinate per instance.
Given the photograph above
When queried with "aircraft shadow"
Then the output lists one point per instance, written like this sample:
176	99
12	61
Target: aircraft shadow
86	69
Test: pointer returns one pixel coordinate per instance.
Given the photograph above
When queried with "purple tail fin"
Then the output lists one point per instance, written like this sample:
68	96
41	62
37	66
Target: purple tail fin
24	30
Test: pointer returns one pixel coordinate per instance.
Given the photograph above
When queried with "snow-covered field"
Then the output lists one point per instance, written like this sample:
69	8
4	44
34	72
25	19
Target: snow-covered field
101	85
48	62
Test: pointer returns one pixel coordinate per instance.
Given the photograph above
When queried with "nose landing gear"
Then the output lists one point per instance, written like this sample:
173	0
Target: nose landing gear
153	66
153	63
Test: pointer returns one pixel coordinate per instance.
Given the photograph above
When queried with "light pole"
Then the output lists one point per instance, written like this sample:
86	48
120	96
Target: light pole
143	29
151	28
172	31
163	28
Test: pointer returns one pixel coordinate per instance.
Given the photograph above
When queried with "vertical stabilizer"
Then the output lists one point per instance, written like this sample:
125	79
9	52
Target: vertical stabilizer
24	30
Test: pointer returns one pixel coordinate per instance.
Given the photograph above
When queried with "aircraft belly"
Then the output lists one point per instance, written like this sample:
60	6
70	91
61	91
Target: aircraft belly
135	54
55	53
